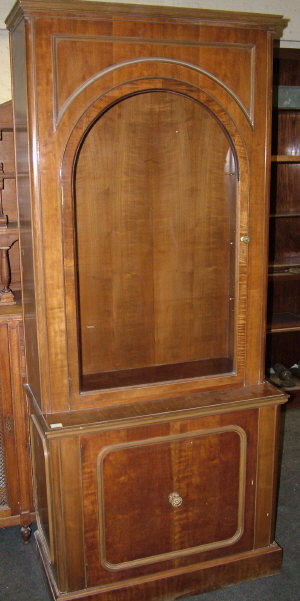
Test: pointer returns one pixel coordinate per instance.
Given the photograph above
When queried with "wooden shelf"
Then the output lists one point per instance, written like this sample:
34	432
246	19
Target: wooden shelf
285	214
287	263
287	271
284	275
284	158
7	174
12	310
157	373
10	230
284	322
288	109
277	382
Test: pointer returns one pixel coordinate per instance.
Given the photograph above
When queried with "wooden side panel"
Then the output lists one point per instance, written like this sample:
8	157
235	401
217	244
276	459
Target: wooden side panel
259	214
41	482
266	476
24	203
58	494
59	538
70	459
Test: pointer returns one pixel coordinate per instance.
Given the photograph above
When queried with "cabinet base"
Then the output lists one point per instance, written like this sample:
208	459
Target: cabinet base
173	584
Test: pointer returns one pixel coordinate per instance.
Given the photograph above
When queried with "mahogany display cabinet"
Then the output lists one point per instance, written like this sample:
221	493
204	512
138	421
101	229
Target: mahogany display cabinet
143	167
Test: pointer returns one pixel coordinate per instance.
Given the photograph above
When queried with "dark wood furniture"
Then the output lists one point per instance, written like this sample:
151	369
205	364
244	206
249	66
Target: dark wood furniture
143	152
283	340
16	505
9	232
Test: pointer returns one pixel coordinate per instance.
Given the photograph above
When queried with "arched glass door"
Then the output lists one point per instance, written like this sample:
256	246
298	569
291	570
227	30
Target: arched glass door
155	190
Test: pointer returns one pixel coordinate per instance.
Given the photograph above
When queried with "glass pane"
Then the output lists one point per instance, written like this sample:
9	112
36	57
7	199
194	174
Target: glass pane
155	201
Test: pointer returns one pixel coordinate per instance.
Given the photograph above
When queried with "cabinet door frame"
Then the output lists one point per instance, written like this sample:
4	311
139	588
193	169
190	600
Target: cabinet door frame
114	95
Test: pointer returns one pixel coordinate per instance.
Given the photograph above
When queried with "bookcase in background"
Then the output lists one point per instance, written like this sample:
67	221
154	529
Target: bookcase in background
283	338
16	504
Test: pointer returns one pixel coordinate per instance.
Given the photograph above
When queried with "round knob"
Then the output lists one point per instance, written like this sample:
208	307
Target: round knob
245	239
175	499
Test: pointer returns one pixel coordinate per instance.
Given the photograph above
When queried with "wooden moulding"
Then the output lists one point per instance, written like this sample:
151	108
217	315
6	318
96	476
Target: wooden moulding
193	579
269	22
203	403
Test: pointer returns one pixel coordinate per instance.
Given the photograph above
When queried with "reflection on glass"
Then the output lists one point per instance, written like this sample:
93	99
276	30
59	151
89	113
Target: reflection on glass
155	202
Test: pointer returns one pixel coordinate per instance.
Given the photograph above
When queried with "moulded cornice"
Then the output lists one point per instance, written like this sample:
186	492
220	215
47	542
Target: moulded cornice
99	10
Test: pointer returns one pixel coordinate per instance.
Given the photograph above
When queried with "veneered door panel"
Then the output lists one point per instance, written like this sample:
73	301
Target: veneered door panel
184	491
175	496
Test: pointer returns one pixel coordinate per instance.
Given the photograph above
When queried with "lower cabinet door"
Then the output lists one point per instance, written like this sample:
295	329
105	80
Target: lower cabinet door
168	494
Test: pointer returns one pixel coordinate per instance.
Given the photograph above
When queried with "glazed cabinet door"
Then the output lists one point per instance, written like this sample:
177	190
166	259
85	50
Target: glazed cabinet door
150	188
155	189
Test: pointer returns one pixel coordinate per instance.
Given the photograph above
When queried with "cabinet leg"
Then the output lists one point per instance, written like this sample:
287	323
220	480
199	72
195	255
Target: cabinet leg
26	534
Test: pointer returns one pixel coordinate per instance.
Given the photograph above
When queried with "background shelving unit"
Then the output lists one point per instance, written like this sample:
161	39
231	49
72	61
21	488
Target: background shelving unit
16	504
283	338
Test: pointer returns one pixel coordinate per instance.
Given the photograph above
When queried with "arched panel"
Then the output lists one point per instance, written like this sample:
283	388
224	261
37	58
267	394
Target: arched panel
121	71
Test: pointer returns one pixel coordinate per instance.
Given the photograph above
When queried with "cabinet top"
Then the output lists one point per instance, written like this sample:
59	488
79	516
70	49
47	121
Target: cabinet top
104	10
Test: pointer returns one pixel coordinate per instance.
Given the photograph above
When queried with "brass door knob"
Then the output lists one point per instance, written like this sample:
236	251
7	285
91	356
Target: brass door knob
245	239
175	499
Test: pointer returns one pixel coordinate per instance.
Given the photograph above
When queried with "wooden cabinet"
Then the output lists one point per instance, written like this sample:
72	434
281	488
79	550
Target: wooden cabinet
16	506
144	223
283	341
